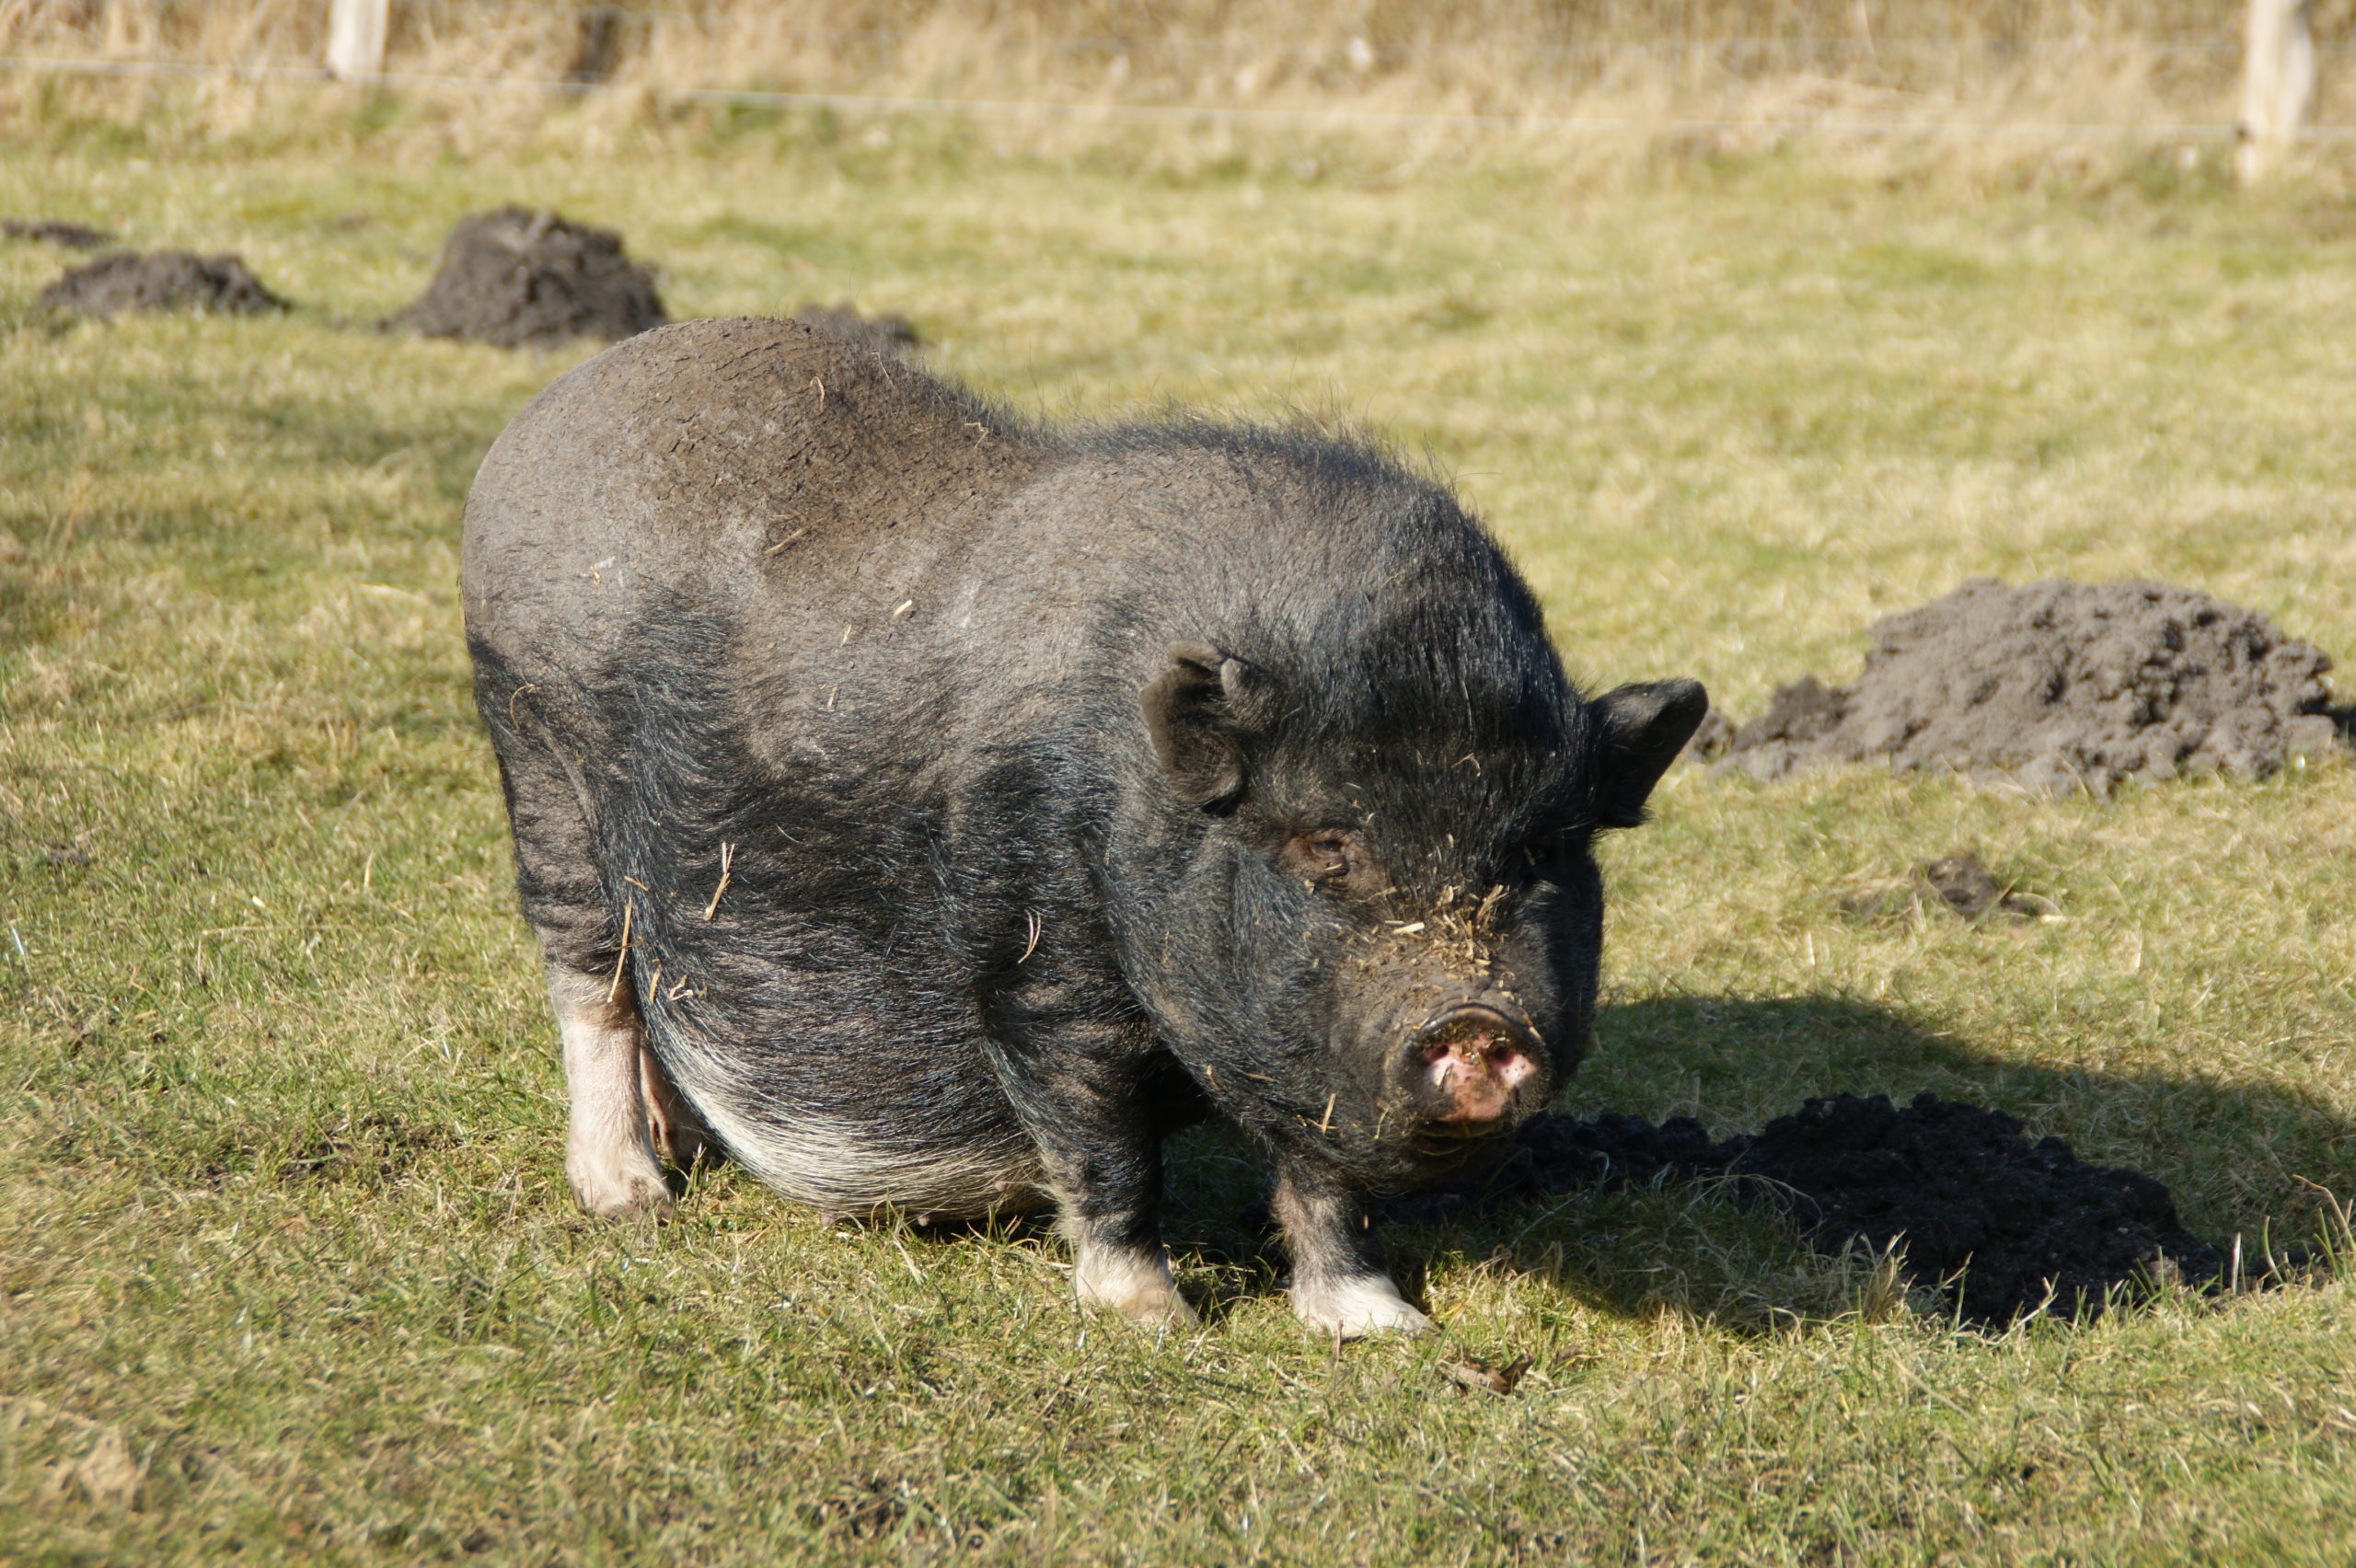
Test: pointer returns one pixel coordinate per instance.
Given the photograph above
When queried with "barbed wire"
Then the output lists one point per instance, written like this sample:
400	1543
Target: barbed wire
1866	45
2227	42
1866	42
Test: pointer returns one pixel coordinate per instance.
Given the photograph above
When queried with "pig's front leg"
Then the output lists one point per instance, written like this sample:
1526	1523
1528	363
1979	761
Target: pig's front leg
1107	1205
1076	1083
1339	1284
1103	1164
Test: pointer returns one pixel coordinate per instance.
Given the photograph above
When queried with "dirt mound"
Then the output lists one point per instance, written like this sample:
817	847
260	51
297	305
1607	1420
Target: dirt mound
1960	883
56	231
519	279
2060	685
2031	1227
167	280
887	330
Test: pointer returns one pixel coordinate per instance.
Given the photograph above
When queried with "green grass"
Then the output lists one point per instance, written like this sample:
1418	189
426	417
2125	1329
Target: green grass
288	1268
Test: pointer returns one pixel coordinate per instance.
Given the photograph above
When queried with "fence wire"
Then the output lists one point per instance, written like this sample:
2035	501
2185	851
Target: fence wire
1740	58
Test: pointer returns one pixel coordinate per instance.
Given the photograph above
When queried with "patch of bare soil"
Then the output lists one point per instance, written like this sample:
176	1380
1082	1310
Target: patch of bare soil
1961	885
518	279
886	330
2006	1227
2059	686
162	280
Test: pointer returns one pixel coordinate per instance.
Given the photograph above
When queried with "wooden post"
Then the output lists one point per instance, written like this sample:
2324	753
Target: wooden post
356	37
2277	84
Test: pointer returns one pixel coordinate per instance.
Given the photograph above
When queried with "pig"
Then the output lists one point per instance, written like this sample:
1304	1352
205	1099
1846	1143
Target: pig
936	809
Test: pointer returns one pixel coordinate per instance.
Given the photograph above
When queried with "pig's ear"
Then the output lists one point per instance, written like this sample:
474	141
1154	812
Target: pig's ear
1200	712
1640	730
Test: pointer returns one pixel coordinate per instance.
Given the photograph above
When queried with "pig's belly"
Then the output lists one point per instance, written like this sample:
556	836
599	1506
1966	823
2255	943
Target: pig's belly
848	1166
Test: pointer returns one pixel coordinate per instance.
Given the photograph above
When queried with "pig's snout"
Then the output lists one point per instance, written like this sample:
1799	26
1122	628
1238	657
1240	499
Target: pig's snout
1465	1070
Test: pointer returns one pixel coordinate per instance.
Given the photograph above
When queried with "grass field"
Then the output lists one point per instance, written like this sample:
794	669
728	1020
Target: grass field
287	1267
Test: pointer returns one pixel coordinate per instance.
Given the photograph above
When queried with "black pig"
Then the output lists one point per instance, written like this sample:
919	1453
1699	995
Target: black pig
940	809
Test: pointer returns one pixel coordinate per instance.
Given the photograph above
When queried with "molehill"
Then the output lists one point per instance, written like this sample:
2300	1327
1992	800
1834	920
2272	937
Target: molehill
518	279
164	280
2031	1227
55	231
2059	686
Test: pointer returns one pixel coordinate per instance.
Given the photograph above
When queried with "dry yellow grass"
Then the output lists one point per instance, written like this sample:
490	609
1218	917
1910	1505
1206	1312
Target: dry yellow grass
2140	63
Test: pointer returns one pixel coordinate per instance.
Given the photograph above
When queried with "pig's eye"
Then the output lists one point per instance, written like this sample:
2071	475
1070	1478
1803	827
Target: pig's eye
1320	853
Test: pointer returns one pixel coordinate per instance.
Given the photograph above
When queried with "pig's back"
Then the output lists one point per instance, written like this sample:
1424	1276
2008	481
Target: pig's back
712	463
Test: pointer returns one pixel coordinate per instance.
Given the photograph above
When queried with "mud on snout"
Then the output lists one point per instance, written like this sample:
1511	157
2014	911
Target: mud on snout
1471	1072
1461	1041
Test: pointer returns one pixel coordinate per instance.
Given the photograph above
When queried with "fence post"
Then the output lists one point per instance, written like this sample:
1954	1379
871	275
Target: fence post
356	37
2277	84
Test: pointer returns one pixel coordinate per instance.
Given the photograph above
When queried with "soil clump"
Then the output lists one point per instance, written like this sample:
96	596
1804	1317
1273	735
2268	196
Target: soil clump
1960	883
517	279
888	331
2057	685
56	231
2007	1228
162	280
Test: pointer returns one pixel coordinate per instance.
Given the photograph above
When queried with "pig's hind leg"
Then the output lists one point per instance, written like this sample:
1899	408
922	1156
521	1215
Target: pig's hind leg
624	1113
679	1133
610	1078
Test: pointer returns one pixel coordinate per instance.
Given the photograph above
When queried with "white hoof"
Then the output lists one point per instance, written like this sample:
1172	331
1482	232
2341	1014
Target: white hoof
1363	1304
1137	1286
618	1183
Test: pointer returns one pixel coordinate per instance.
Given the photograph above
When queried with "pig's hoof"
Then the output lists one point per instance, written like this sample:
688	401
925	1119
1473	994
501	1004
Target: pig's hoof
625	1188
1138	1289
1368	1304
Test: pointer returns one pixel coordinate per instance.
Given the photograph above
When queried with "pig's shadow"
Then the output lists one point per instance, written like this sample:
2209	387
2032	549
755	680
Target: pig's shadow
2238	1157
